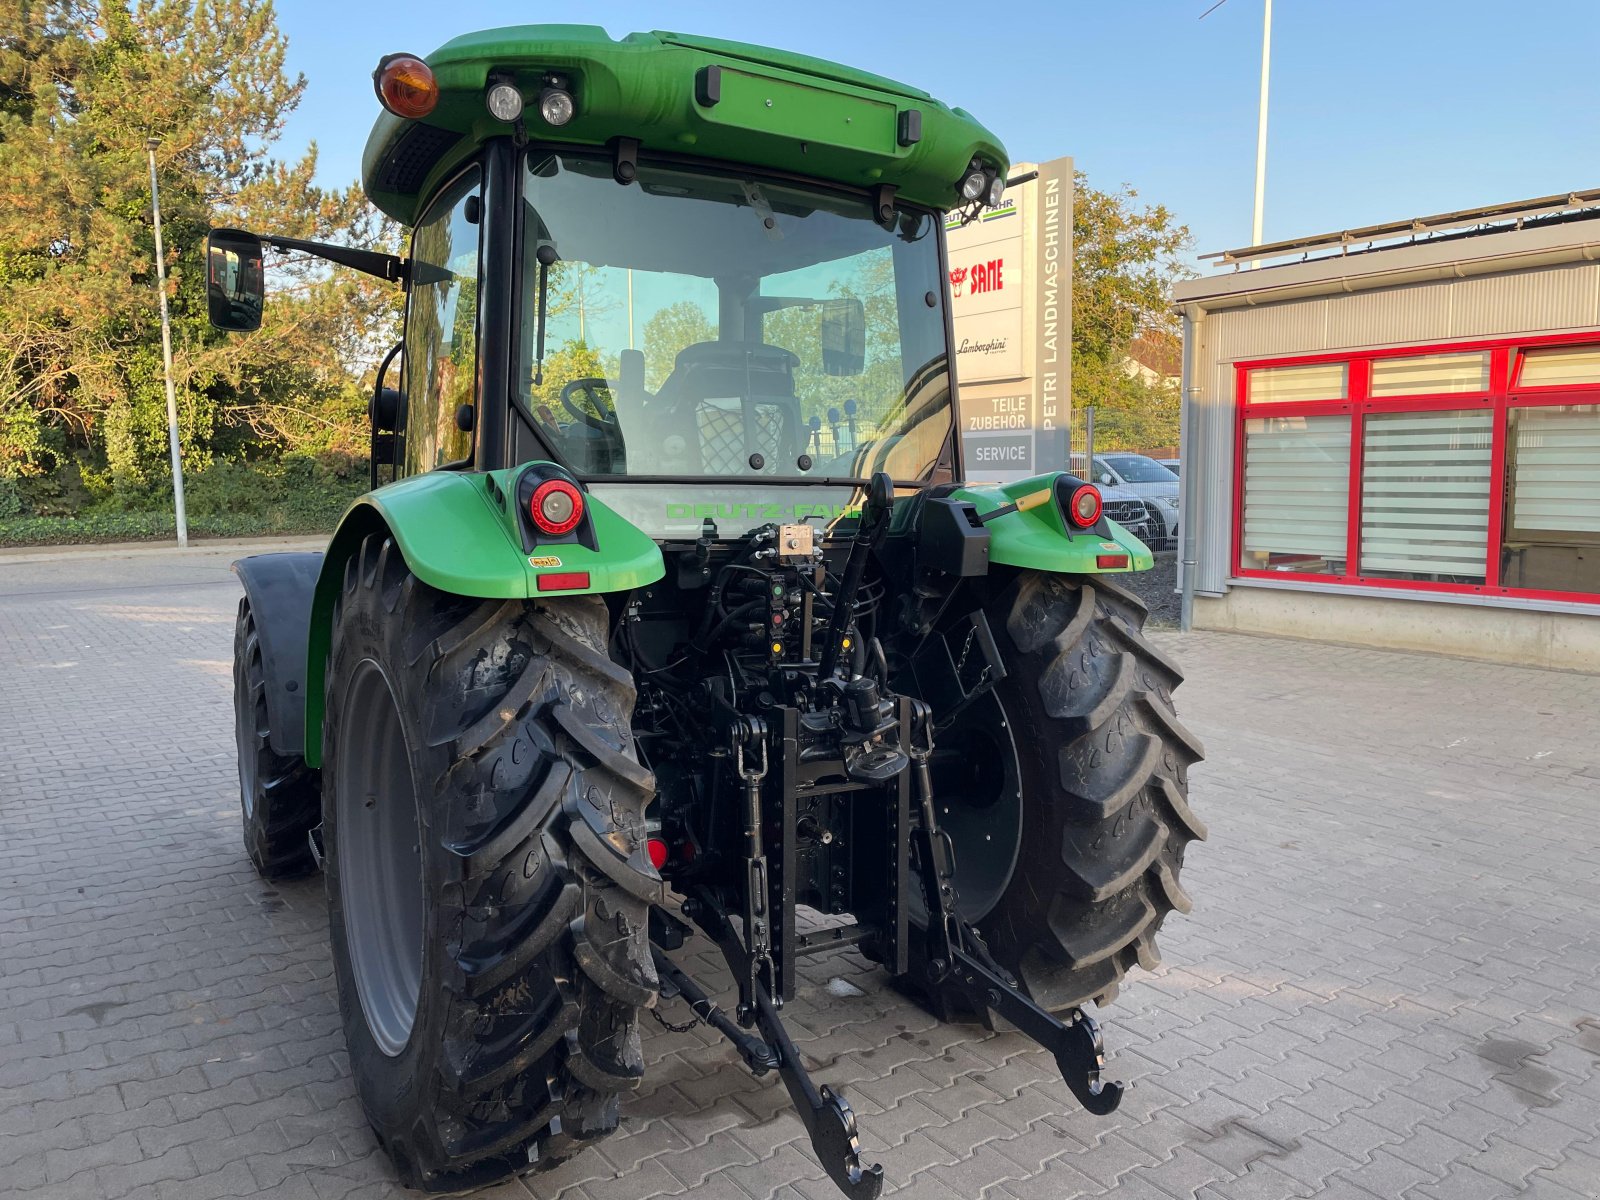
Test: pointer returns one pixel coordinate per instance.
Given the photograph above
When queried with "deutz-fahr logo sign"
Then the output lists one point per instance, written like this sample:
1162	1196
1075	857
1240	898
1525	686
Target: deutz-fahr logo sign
986	276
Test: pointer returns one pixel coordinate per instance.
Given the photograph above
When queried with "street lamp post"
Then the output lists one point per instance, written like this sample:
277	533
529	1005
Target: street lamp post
166	354
1261	126
1261	119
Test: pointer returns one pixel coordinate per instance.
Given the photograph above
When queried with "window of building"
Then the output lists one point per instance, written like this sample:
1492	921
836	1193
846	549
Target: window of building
1551	531
1431	374
1426	470
1561	366
1297	493
1285	385
1425	495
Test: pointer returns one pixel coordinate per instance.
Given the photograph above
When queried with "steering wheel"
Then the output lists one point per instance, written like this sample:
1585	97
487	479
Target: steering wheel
590	386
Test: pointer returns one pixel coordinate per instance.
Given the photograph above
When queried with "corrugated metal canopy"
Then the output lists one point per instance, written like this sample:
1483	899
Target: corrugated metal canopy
1494	218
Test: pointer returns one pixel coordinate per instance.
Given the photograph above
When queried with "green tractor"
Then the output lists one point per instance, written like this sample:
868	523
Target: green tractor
671	612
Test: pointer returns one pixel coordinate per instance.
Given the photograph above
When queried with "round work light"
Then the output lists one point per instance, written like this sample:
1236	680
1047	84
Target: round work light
556	106
504	101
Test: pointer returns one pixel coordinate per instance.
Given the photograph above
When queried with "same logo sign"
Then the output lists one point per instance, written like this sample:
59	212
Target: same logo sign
986	276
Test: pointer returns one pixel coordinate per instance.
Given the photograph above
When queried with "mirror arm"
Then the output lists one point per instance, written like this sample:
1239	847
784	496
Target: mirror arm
546	255
369	262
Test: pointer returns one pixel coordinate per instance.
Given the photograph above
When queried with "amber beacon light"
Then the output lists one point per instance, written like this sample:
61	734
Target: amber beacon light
406	86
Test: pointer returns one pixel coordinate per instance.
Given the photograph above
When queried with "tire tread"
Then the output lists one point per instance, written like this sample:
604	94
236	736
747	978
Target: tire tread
1101	696
538	820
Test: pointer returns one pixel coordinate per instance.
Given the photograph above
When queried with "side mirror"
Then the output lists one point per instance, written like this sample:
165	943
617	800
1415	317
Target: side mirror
386	413
1105	478
844	337
387	410
235	284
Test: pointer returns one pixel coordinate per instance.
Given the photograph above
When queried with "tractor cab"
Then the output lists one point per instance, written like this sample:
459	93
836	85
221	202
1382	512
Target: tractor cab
736	276
668	258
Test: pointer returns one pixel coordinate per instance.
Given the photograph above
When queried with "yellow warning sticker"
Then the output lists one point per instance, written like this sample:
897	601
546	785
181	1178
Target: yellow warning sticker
544	560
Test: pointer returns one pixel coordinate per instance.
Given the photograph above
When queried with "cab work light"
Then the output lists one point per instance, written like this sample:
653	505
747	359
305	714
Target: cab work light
1083	510
556	106
503	100
556	507
406	86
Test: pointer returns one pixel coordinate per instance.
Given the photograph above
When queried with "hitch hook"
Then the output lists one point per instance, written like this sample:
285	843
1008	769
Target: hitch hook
827	1116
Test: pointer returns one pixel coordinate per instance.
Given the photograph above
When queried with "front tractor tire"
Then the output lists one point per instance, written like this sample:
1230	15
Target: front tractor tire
1103	766
488	885
279	796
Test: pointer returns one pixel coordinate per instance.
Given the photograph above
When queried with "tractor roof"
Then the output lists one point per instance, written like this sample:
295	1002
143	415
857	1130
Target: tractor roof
775	110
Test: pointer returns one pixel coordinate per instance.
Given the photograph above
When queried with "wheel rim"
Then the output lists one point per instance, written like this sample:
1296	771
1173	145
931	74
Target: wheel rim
247	723
977	789
380	860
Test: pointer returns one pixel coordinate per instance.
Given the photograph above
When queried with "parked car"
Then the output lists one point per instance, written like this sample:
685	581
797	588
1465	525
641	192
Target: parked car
1143	518
1144	477
1171	464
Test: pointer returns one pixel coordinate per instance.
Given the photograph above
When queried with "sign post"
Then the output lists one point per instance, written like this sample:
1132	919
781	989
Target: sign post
1011	301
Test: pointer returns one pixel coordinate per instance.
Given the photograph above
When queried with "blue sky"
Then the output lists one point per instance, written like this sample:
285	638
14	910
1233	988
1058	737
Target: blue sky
1380	110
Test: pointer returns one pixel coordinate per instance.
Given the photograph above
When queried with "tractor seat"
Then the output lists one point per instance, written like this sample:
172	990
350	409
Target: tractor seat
729	401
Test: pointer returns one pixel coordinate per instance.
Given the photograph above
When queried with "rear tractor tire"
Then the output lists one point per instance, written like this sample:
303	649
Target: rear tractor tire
1101	770
488	884
279	796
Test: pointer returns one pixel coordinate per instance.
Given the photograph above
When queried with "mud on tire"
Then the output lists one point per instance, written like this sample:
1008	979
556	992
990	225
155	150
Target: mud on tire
535	884
279	796
1104	768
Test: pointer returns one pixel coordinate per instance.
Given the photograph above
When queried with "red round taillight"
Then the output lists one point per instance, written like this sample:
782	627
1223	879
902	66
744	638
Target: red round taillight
1084	507
658	853
556	507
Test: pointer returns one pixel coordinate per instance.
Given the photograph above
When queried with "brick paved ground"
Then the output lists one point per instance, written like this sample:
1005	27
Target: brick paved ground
1390	986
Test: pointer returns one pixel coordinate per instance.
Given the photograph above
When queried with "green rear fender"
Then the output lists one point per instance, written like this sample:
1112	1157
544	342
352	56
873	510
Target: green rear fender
1039	537
461	533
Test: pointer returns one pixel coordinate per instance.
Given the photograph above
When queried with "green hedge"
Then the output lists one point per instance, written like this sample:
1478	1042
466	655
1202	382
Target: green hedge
140	527
293	495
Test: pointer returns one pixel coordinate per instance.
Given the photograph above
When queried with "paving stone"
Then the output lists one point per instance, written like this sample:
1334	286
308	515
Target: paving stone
1374	997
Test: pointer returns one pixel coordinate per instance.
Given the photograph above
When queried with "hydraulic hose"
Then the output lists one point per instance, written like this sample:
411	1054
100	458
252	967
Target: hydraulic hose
744	610
874	524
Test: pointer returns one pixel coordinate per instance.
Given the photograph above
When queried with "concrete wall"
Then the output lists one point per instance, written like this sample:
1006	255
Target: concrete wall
1559	640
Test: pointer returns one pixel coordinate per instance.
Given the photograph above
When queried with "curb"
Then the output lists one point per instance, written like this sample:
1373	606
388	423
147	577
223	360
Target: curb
38	554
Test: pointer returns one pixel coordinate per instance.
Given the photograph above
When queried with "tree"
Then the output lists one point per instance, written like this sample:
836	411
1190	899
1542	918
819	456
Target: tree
567	362
877	389
82	86
579	293
1125	261
668	331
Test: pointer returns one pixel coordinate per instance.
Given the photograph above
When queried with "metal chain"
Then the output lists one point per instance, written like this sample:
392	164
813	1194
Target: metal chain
966	649
670	1027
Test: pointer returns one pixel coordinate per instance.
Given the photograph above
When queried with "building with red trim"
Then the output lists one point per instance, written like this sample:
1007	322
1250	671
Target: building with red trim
1392	436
